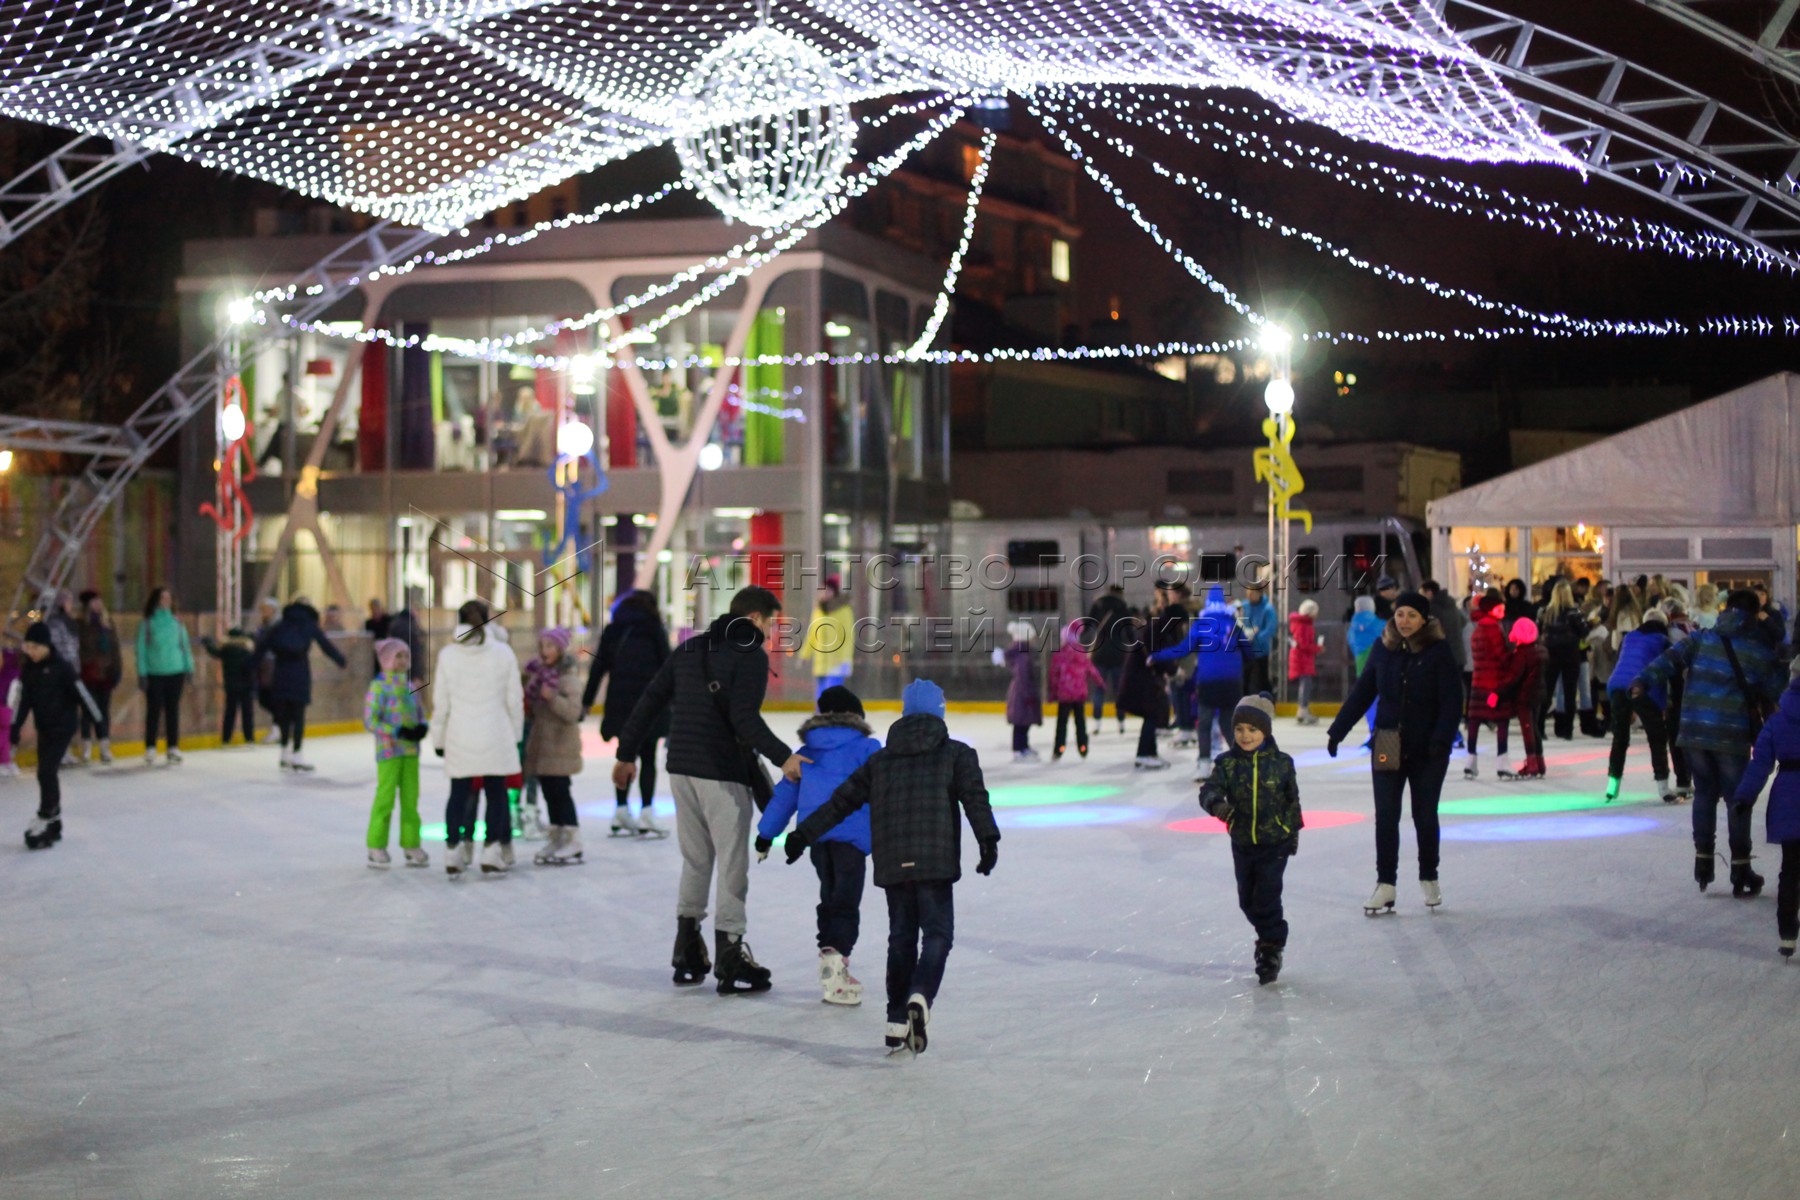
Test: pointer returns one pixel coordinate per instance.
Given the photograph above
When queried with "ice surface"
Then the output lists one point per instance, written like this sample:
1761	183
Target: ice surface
204	992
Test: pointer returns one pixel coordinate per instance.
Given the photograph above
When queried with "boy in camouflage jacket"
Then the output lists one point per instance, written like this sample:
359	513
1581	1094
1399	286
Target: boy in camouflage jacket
1253	789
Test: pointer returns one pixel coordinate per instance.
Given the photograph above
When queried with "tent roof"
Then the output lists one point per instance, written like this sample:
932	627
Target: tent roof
1730	460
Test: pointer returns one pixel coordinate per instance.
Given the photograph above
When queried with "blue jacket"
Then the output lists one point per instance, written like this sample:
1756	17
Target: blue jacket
1642	646
1259	618
1713	714
837	743
1365	631
1415	688
1212	637
1777	744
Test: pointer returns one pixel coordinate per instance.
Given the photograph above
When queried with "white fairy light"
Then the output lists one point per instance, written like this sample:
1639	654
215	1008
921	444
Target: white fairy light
941	307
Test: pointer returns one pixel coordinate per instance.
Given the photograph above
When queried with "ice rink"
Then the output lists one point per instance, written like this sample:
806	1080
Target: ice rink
204	992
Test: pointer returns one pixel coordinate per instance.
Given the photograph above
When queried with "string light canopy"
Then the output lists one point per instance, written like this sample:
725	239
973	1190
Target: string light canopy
434	112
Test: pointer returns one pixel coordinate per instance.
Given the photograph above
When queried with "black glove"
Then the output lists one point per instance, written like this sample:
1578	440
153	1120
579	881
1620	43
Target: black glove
438	750
1331	746
990	855
796	846
763	845
1293	845
18	732
411	733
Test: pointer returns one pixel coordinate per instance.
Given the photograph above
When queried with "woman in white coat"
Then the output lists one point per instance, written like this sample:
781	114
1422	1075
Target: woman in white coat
477	719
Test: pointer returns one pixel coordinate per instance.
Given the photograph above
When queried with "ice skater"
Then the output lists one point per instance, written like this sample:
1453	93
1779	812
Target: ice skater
835	742
392	712
237	677
633	647
477	720
1254	790
1525	692
49	694
1304	644
1641	647
1490	674
1024	700
1072	670
1216	642
913	787
290	641
553	743
1778	752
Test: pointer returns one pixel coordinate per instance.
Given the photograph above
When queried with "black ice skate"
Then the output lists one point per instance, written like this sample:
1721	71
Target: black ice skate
1268	962
738	971
1744	882
43	832
1703	864
689	960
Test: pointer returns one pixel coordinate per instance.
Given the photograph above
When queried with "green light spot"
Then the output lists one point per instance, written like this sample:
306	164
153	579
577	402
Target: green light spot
1034	795
435	832
1525	805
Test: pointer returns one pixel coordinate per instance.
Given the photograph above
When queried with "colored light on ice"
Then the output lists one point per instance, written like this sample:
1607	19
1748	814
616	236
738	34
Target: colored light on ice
1056	818
1036	794
1311	820
1527	803
1544	829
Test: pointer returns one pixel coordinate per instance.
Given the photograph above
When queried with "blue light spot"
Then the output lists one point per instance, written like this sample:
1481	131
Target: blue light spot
1541	829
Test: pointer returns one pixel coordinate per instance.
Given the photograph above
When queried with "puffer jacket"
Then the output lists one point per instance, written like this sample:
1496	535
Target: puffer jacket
1071	671
162	646
1530	666
633	648
389	704
477	704
914	787
1303	646
1642	646
1215	641
837	744
702	742
1256	795
1491	669
48	694
1713	713
1777	752
290	641
553	740
1365	630
1024	702
1562	632
1415	688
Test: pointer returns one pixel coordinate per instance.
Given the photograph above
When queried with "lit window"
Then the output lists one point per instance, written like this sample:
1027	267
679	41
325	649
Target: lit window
1059	260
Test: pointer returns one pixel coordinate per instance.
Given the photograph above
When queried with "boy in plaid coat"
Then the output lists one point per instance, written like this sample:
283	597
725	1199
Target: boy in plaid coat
913	787
392	712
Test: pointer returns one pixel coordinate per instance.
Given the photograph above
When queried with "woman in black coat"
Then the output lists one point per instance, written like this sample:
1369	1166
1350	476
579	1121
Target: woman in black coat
1412	680
633	647
290	641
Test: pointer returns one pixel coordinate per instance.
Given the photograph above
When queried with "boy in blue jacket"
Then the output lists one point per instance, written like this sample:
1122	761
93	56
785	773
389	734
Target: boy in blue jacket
1778	750
835	742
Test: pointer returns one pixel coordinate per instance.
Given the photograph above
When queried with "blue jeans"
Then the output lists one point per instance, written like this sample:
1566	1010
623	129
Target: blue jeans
914	909
835	679
1716	778
840	867
459	811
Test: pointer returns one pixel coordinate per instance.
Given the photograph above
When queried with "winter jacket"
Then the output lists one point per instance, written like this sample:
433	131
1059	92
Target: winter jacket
1365	630
162	646
831	639
1259	621
1415	688
913	787
1071	671
477	705
553	740
389	704
48	694
1778	752
837	744
1561	631
1303	646
290	641
1106	620
633	648
1643	646
1530	667
237	661
102	664
702	742
1215	641
1154	651
1713	714
1024	702
1449	614
1491	669
1256	795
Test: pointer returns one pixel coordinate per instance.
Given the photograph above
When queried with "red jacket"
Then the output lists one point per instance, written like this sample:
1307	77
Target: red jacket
1303	646
1491	664
1071	670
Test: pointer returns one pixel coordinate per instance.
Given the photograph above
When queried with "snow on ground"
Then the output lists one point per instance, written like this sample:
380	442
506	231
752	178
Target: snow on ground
204	992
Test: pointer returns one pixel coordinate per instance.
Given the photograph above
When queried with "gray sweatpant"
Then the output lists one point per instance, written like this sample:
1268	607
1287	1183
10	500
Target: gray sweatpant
713	821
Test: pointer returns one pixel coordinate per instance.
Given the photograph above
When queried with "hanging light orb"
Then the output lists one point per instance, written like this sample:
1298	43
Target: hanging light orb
574	439
772	128
231	423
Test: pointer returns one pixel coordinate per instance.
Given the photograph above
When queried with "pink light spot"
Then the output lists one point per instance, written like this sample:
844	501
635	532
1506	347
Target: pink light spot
1313	820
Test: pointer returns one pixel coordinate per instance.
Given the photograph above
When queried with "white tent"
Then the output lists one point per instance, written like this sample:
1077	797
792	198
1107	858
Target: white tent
1711	490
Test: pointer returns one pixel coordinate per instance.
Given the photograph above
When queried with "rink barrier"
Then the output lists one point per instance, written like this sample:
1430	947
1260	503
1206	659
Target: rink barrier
198	741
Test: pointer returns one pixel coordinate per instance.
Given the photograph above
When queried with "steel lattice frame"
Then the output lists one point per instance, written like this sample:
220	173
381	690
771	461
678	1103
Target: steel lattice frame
1766	48
194	389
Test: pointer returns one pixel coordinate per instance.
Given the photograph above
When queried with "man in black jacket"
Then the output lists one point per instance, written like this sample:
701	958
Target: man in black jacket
50	694
712	687
913	787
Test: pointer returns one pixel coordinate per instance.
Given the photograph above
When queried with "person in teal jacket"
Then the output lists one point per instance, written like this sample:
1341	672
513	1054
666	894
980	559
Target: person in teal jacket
1365	630
165	660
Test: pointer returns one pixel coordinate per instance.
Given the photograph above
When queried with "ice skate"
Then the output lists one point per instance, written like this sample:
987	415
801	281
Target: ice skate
1684	790
622	824
1027	755
542	857
1203	770
647	826
1185	741
1703	864
1268	962
1149	763
1667	792
174	757
1434	896
918	1016
1473	770
297	763
1083	750
1055	756
453	860
379	860
287	758
416	857
1786	948
9	770
1745	883
106	751
835	981
896	1038
75	756
689	959
737	971
270	736
565	847
43	832
1382	901
493	859
1612	788
149	756
506	854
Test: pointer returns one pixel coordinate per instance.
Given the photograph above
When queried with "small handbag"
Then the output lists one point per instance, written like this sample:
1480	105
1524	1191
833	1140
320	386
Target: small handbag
1384	752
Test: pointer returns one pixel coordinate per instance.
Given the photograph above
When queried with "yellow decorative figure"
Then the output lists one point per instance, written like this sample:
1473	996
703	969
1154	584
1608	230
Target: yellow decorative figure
1275	463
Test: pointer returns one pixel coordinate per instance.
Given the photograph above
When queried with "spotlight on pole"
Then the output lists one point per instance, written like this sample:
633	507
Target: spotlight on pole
241	311
1279	396
574	439
1275	339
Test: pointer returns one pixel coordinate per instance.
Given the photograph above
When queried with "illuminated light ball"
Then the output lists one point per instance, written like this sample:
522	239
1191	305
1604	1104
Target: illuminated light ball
712	456
241	311
772	129
1279	396
574	439
231	423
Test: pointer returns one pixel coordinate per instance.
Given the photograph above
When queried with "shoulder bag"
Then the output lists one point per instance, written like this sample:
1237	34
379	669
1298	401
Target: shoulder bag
1757	710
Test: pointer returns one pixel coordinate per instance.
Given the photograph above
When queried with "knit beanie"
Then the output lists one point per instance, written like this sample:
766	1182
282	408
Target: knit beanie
386	651
839	699
1524	632
923	696
558	637
1256	710
1415	601
38	632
